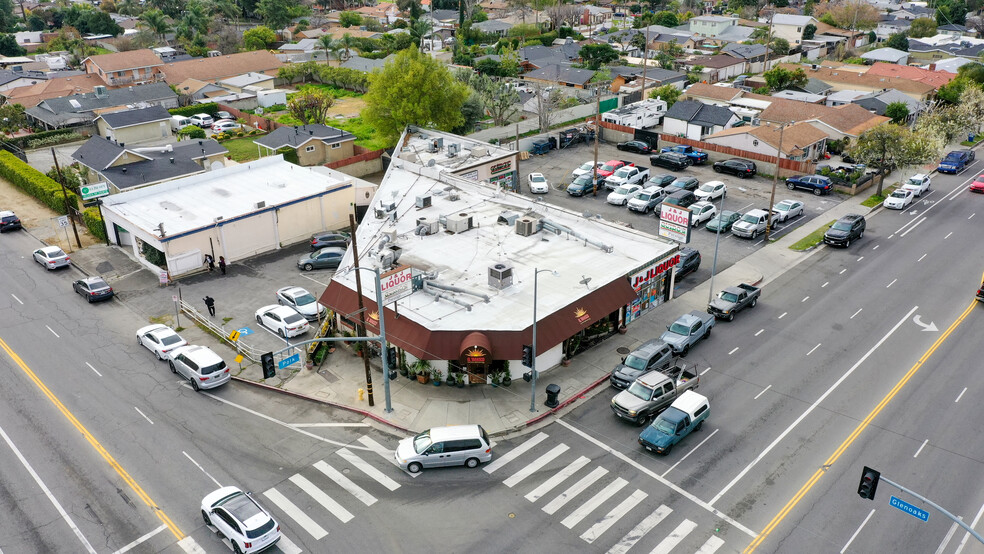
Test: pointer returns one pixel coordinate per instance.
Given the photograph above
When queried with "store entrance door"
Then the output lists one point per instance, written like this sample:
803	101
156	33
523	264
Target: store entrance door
477	373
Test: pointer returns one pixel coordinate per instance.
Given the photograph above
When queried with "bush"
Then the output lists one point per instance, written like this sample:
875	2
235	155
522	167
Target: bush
22	142
51	140
35	183
90	216
188	111
192	132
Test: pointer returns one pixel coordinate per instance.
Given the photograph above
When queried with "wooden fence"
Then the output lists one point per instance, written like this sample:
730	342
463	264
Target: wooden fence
362	155
787	166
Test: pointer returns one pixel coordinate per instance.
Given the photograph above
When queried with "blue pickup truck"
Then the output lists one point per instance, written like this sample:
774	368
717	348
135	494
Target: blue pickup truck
956	161
697	157
686	414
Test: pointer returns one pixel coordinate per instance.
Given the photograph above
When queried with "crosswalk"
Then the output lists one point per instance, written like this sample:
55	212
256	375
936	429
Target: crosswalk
560	468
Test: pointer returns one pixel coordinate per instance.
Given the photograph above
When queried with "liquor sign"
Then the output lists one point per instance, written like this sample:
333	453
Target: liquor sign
639	279
396	284
501	166
674	223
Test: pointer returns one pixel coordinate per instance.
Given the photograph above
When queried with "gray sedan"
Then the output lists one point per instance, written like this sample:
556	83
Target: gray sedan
326	258
51	257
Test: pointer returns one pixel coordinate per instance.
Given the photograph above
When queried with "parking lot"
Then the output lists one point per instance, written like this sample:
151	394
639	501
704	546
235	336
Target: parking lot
743	195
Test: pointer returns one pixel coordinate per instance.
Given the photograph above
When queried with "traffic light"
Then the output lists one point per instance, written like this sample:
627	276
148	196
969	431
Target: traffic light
868	484
528	355
269	367
391	357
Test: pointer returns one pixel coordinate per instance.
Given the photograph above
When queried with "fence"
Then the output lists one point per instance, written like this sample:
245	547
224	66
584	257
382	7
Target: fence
221	332
787	166
364	154
253	120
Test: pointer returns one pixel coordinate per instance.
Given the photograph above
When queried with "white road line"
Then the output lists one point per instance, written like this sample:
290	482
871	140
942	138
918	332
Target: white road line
286	546
842	271
813	349
605	523
761	393
920	448
959	396
672	486
812	407
855	535
805	298
913	227
760	331
320	497
946	539
948	235
189	545
574	490
52	331
342	481
875	247
515	452
93	369
921	258
535	465
199	466
557	479
892	283
675	537
705	371
824	285
951	195
783	315
639	531
860	258
692	450
281	423
385	453
971	217
733	351
144	415
857	312
47	492
142	539
295	513
973	525
312	279
711	545
369	470
305	425
591	505
21	303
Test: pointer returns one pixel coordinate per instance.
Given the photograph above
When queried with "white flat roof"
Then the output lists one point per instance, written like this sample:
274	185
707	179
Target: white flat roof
194	202
463	259
470	152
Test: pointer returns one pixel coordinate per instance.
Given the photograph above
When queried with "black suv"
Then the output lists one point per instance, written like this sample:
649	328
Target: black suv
680	197
737	167
9	221
844	230
689	262
670	160
660	180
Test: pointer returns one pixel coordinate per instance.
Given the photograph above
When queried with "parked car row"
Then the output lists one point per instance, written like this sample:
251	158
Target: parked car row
202	367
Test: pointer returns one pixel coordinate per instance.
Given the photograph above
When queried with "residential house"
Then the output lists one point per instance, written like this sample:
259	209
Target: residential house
539	56
366	65
753	54
719	30
124	168
852	39
949	65
384	13
314	144
79	109
814	86
29	40
193	90
913	11
790	27
799	96
16	79
878	103
495	8
845	78
719	67
843	121
842	97
215	69
32	95
935	76
887	55
595	15
304	50
561	74
120	69
627	79
495	27
710	94
133	126
447	19
239	83
658	37
800	141
696	120
933	49
955	30
890	27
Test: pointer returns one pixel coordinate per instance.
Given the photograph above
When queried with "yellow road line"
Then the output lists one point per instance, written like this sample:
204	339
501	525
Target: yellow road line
95	443
854	435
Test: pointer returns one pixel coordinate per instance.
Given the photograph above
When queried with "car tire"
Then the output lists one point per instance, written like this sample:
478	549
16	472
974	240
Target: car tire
731	316
847	243
861	236
685	351
158	354
754	234
753	302
205	518
471	463
641	422
817	192
308	267
171	365
235	547
282	334
668	449
790	186
194	384
258	320
414	467
717	169
699	426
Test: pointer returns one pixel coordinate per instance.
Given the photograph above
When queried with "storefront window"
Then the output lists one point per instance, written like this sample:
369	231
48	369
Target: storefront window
652	285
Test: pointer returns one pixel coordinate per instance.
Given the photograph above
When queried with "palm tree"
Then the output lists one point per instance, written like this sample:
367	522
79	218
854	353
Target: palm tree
420	30
346	43
156	22
326	42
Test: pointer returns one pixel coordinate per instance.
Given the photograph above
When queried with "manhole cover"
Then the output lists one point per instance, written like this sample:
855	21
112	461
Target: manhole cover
623	350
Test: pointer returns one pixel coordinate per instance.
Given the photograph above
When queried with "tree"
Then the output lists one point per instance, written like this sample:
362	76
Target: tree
171	8
950	92
12	117
898	41
971	107
809	31
780	46
848	14
667	93
780	78
594	55
9	46
419	30
951	12
695	74
411	7
226	39
666	19
329	45
311	105
348	19
259	38
922	27
192	132
277	14
887	146
499	99
898	111
547	104
156	22
7	19
413	89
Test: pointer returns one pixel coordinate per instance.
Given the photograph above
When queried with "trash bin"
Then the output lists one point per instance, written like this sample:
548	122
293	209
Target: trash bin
553	391
970	137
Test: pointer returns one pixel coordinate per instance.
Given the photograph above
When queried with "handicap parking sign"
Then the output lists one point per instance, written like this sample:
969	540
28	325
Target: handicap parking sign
243	331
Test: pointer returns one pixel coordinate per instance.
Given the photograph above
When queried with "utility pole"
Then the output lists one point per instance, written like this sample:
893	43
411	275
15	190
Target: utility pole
775	180
768	42
68	209
645	63
594	182
362	310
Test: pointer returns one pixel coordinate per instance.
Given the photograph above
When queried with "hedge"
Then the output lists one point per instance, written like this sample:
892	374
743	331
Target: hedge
35	183
189	111
22	142
90	216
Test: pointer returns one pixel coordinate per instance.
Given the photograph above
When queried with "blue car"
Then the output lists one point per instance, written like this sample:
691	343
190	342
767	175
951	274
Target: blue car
819	184
956	161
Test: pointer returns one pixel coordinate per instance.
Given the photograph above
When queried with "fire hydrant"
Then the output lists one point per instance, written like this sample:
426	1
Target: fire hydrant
362	394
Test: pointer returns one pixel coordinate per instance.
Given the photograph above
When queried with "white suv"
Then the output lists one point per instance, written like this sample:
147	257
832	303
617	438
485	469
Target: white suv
203	120
204	368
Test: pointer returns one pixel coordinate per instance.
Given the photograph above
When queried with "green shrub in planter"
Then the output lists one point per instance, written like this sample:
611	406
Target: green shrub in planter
188	111
94	223
35	183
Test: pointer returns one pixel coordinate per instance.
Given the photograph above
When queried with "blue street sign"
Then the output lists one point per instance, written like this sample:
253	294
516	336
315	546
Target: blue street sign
243	331
913	511
288	361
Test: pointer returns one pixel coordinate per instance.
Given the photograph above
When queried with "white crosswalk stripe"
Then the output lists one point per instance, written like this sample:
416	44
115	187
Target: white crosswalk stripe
387	454
320	497
287	546
711	546
675	538
574	490
637	532
296	514
368	469
345	483
515	452
557	479
535	466
613	516
591	505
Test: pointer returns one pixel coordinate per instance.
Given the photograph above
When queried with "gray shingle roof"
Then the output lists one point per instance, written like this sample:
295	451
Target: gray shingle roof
293	137
148	167
365	65
813	86
128	118
744	51
492	25
562	74
56	111
699	113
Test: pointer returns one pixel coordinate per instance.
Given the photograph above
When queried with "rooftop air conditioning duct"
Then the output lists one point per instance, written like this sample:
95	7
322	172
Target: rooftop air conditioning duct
500	276
507	218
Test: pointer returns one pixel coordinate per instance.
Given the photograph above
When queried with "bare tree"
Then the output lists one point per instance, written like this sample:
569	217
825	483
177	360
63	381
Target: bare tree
547	102
559	14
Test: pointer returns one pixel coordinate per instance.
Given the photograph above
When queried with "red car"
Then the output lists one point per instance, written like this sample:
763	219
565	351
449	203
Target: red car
610	167
978	184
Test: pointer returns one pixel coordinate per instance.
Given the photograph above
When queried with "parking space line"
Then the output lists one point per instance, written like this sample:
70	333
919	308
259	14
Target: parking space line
861	258
93	369
313	279
892	283
760	331
705	371
824	285
140	540
921	258
948	235
144	415
857	312
783	315
842	271
21	303
52	331
733	351
761	393
971	217
920	448
875	247
959	396
814	348
692	450
855	535
804	299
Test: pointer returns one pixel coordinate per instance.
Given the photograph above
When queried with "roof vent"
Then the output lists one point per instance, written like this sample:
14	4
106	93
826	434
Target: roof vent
507	218
500	276
453	150
259	205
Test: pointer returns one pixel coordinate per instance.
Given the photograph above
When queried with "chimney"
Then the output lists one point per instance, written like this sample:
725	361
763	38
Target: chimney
932	67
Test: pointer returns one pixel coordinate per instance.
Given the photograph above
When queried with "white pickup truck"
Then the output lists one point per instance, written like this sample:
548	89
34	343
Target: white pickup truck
627	176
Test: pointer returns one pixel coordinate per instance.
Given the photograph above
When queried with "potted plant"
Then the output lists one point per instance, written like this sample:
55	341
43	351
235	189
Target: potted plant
496	378
422	369
460	380
404	370
435	375
411	372
450	380
506	376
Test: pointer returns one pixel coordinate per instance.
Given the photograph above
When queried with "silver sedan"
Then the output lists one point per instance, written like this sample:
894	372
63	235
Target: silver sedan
159	339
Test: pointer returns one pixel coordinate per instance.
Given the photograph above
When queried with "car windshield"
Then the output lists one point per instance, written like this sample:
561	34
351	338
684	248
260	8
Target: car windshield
664	426
916	182
583	179
537	178
622	190
635	362
842	226
750	218
729	296
644	196
586	166
707	188
293	318
303	299
607	167
214	368
170	339
781	207
640	391
422	442
899	194
622	172
680	329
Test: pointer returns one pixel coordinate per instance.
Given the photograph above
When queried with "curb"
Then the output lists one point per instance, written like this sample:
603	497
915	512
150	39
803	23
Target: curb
570	400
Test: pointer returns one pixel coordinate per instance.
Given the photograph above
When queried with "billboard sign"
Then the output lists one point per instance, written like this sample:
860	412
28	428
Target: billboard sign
674	223
396	284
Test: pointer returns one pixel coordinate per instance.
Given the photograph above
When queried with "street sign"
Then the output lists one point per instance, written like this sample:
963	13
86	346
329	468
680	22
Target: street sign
234	336
396	284
174	298
674	223
913	511
243	331
63	221
239	359
288	361
94	191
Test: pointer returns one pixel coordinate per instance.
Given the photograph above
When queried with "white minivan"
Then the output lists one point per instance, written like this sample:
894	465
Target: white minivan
454	445
179	122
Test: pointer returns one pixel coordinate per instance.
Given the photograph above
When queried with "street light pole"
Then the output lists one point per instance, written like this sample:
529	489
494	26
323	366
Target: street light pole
382	342
775	180
717	241
536	274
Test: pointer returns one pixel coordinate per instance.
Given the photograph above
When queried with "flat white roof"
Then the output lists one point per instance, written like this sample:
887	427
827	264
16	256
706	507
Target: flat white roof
470	152
463	259
194	202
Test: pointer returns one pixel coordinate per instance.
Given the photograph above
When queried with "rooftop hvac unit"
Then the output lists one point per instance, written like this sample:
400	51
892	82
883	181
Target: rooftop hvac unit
435	145
389	256
453	195
260	205
427	226
424	201
479	151
525	226
453	150
507	218
500	276
459	223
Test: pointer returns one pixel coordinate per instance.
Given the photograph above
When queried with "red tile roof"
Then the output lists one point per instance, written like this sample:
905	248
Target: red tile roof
912	73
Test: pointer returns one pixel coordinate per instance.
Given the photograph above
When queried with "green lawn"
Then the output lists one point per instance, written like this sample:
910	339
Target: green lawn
336	92
242	149
811	240
876	199
365	134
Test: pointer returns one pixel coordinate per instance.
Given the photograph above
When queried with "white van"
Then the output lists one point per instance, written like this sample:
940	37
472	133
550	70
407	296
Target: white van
179	122
454	445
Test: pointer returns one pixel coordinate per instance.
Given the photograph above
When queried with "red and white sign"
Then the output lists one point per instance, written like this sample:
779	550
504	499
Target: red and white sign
640	279
674	223
396	284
